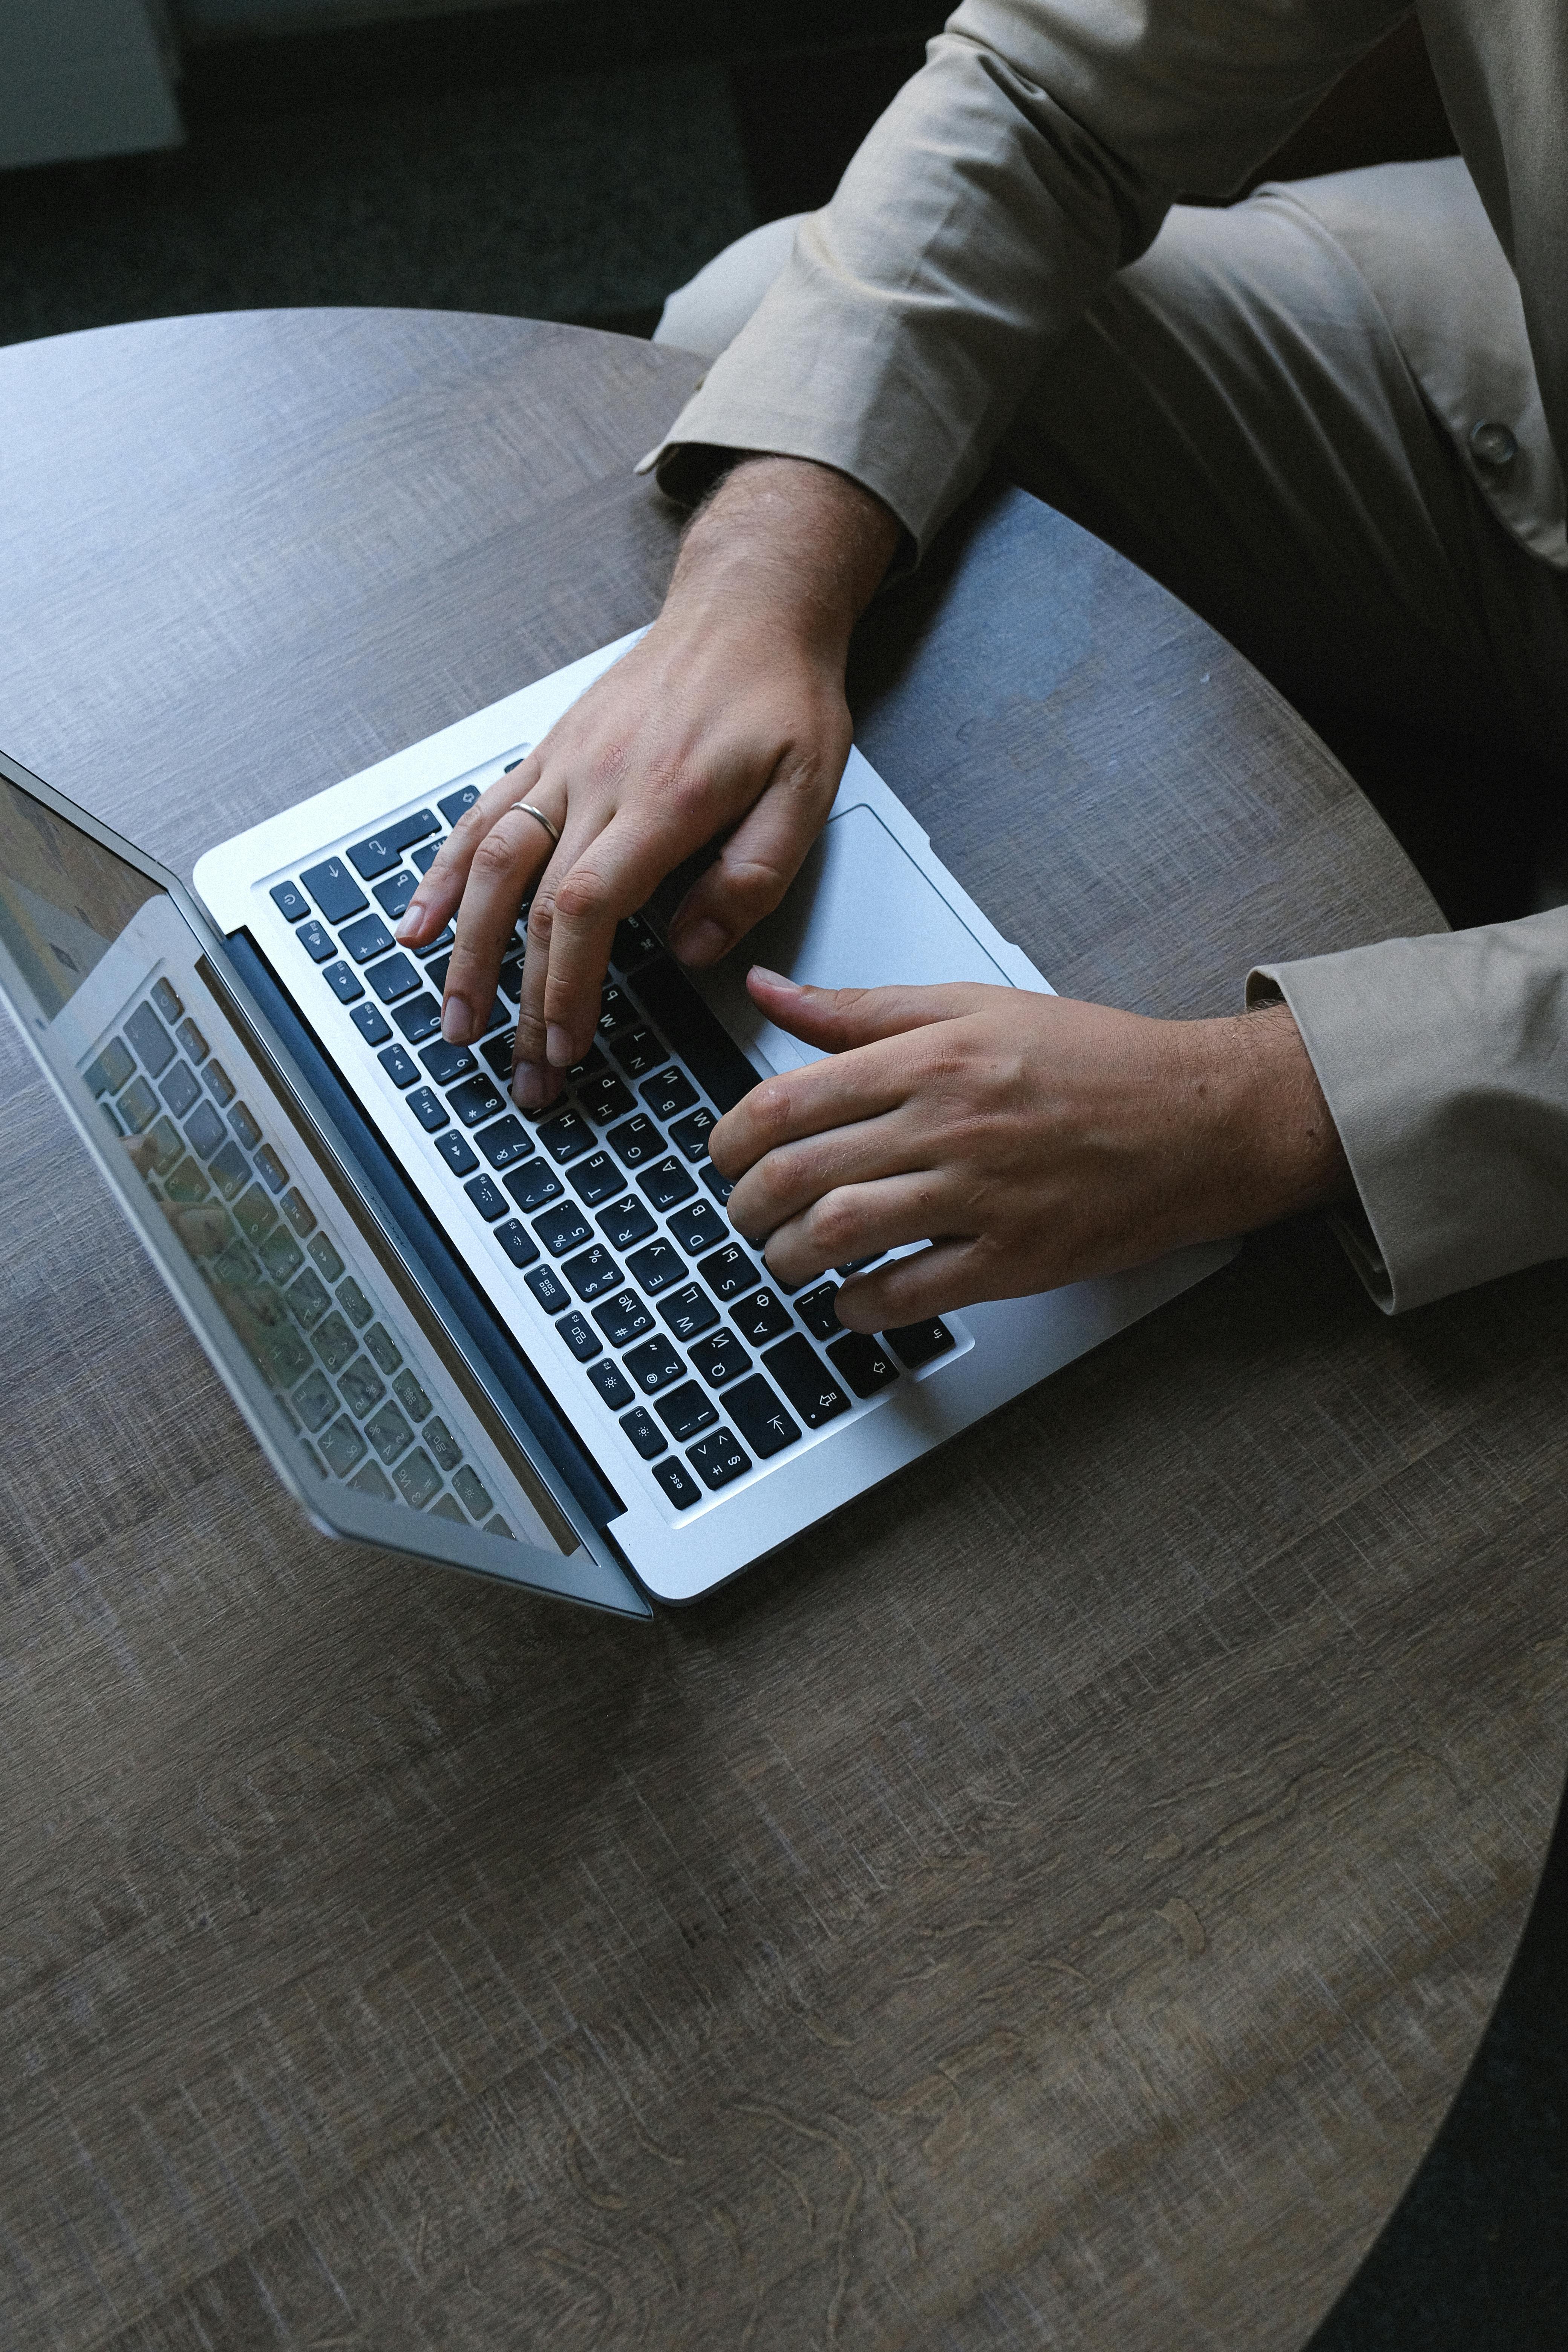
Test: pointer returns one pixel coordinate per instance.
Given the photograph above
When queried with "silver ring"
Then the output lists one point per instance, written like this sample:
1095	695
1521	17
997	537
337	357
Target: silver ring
529	810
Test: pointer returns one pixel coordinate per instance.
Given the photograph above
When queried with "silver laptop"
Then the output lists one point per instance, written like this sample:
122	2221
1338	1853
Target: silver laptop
525	1344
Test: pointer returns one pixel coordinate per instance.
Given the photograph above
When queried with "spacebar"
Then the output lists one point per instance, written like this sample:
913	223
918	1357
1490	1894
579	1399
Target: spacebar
697	1035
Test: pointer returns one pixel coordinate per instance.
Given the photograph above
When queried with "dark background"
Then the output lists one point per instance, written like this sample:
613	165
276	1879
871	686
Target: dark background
576	159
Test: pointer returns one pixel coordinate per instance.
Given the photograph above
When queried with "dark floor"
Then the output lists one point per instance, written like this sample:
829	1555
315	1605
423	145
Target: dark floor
574	160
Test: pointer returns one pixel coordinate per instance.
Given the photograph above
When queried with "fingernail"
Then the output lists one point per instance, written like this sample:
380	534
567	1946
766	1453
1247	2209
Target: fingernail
412	916
769	978
456	1021
528	1086
703	942
558	1047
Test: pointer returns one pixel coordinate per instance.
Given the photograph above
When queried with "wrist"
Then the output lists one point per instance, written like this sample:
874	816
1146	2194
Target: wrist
788	543
1271	1142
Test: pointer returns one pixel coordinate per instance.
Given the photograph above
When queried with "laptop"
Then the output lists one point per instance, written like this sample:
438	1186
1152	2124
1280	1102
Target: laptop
526	1345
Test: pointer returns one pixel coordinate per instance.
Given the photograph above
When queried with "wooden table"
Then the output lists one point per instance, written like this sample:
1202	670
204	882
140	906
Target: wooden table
1054	1903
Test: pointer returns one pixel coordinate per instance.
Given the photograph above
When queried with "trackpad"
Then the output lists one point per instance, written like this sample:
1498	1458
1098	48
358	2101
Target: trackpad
860	914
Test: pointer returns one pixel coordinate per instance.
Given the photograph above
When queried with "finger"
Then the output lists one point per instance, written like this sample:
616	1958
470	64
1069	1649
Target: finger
929	1282
500	873
785	1184
535	1079
841	1092
440	893
754	869
836	1018
858	1220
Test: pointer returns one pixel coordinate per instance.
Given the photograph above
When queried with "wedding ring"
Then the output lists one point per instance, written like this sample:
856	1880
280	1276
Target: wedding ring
529	810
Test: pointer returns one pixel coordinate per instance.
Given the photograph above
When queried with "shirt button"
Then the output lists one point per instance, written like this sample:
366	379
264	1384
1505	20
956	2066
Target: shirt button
1493	445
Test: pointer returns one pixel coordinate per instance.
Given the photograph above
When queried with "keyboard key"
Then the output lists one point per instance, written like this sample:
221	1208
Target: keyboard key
604	1097
194	1044
327	1260
509	980
253	1214
437	946
459	1156
355	1304
167	1144
626	1223
638	1052
566	1136
666	1183
335	1343
185	1183
612	1385
645	1433
367	938
719	1461
319	945
534	1185
335	890
425	858
688	1311
427	1108
656	1266
563	1229
915	1344
475	1099
720	1359
678	1485
476	1501
636	1142
700	1228
220	1083
691	1132
585	1344
593	1273
299	1211
229	1168
113	1068
761	1318
418	1018
204	1130
363	1387
151	1039
385	850
519	1244
181	1089
806	1381
244	1126
270	1168
818	1312
314	1400
418	1478
670	1092
342	1446
497	1056
343	984
447	1064
459	803
379	1346
760	1417
400	1066
634	944
389	1433
684	1410
290	901
392	980
858	1264
623	1318
549	1289
719	1186
392	897
728	1271
505	1142
654	1364
596	1179
616	1011
487	1199
864	1362
371	1026
167	1002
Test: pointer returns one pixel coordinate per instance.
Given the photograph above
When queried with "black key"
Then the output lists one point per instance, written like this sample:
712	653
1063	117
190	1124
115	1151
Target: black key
447	1063
385	850
634	944
858	1264
427	1108
509	980
638	1052
299	1211
548	1288
167	1002
689	1310
656	1266
534	1185
168	1144
583	1343
761	1318
271	1168
371	1026
806	1381
666	1183
563	1229
181	1089
220	1082
425	858
392	897
592	1063
420	1018
497	1056
459	803
475	1099
229	1169
439	945
489	1200
460	1156
678	1485
505	1142
593	1273
335	890
818	1312
654	1364
604	1096
719	1186
720	1359
400	1066
626	1223
684	1410
645	1433
596	1178
325	1256
435	972
623	1318
244	1126
616	1011
915	1344
194	1044
719	1461
290	901
151	1039
367	938
113	1068
670	1092
204	1130
612	1385
864	1362
700	1228
636	1142
519	1244
395	978
567	1135
728	1271
343	984
760	1418
691	1132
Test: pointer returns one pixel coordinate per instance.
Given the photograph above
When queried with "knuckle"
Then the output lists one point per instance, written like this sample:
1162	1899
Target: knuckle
582	897
493	859
541	920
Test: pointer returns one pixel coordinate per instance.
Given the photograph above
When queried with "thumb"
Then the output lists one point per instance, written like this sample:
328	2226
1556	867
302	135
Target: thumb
838	1018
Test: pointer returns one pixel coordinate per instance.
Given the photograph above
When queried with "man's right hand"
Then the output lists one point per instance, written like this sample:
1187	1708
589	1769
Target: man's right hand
727	719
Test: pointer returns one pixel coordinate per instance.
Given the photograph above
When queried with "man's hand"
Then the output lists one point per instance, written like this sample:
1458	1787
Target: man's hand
1029	1139
729	718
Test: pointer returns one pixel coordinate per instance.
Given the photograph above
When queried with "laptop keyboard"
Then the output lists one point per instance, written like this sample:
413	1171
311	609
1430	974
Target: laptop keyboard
605	1202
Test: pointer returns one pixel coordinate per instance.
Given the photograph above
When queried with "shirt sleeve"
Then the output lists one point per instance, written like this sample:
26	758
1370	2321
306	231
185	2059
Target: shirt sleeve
1444	1062
1035	155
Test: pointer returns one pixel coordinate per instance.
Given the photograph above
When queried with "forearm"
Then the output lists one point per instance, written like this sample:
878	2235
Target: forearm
783	541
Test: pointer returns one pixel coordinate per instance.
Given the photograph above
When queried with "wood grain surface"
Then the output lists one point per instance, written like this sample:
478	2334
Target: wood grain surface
1053	1904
